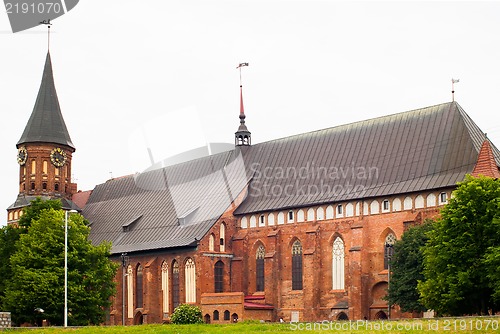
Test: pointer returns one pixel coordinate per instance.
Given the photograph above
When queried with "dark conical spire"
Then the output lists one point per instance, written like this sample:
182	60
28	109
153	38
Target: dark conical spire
46	123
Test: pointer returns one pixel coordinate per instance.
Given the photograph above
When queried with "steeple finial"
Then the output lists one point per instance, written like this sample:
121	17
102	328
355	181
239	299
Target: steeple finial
453	82
242	136
47	22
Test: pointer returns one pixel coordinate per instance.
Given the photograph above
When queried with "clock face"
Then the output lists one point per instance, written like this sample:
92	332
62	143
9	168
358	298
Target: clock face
22	155
58	157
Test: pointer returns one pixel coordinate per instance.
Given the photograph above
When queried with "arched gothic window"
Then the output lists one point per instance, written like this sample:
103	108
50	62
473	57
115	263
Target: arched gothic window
190	276
138	287
390	239
130	292
338	264
175	284
259	268
164	287
297	265
222	237
211	242
219	276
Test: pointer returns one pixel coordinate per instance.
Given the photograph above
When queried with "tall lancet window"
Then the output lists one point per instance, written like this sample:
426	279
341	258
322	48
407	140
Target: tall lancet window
138	287
211	242
222	237
175	284
338	264
219	276
259	268
297	265
130	292
190	276
388	249
164	288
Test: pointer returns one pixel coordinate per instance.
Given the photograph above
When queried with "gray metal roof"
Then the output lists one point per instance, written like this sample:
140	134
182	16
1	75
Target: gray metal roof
175	206
170	207
428	148
46	123
25	200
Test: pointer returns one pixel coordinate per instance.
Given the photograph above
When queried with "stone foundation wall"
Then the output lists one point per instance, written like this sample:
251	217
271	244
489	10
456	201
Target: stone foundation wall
5	320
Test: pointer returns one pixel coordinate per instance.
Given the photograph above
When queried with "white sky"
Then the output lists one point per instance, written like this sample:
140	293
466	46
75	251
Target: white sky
137	74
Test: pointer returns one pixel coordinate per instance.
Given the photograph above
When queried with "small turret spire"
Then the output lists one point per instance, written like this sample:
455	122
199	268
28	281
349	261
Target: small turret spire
242	136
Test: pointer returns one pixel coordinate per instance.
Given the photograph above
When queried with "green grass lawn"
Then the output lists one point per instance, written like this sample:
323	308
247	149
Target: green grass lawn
451	325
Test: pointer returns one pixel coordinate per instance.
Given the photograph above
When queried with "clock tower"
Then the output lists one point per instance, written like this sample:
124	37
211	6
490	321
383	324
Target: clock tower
44	152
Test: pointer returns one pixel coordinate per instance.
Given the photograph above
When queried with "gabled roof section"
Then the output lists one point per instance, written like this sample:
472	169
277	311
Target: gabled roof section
427	148
46	123
81	197
176	205
486	164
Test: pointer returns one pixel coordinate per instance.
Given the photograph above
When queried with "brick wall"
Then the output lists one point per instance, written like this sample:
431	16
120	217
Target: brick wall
365	278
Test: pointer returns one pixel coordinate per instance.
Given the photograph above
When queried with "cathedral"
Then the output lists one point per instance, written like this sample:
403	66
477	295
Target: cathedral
299	228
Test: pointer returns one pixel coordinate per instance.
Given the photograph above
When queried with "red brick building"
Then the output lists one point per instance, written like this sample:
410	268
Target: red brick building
298	228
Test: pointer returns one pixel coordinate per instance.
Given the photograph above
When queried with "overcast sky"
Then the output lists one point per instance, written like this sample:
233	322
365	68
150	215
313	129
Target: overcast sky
162	74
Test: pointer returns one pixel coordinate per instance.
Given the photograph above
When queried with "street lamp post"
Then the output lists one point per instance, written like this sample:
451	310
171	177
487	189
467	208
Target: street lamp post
389	248
66	266
124	265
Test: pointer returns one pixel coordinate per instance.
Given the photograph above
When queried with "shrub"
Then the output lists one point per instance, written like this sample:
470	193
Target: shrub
187	314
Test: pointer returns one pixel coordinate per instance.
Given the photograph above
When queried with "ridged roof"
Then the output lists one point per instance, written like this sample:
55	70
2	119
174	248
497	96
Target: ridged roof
46	123
427	148
170	207
175	206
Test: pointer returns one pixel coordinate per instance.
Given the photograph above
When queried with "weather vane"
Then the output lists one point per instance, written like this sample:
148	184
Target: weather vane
239	67
48	24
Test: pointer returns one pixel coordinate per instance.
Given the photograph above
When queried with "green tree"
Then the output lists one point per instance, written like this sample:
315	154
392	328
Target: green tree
38	273
33	211
492	263
407	267
10	234
8	238
456	263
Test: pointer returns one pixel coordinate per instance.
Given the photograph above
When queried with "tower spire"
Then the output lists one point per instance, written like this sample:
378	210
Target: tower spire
242	136
46	123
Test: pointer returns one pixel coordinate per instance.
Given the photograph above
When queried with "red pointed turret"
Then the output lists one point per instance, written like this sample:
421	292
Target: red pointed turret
486	164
